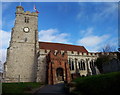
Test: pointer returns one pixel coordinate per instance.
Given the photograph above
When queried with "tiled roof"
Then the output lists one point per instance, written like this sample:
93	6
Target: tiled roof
60	46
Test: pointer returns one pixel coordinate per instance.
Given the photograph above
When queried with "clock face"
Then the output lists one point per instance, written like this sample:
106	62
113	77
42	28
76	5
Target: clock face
26	29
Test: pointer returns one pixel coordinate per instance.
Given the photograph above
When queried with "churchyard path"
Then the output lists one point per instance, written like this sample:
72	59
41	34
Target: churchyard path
57	89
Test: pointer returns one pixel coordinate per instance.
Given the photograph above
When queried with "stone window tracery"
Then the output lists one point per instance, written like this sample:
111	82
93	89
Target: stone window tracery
72	67
69	61
81	65
71	64
91	64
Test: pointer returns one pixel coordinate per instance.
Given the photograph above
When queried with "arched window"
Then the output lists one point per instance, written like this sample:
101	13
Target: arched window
79	63
82	65
69	61
91	64
72	65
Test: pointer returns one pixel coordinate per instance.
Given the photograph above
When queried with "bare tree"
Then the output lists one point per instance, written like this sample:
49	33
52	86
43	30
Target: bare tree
105	59
102	59
108	48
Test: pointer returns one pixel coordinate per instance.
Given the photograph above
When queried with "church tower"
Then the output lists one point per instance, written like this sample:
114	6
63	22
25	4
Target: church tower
21	62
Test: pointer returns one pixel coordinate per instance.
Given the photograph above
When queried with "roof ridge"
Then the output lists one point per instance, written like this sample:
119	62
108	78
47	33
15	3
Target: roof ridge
60	43
60	46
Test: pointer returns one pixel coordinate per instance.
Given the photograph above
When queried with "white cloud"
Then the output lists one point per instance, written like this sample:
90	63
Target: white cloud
5	38
101	13
108	10
3	53
86	32
4	43
53	35
0	15
92	42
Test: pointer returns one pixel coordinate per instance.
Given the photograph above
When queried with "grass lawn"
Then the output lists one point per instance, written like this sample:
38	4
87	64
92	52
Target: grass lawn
18	88
104	84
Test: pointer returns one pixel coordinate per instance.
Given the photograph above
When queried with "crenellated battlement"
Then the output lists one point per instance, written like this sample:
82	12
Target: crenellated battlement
20	10
108	53
58	53
75	53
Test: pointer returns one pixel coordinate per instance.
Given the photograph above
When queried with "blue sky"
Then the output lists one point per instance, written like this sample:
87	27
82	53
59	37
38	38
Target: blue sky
92	25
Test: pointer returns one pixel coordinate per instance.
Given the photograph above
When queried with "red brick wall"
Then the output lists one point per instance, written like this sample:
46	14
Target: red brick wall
57	61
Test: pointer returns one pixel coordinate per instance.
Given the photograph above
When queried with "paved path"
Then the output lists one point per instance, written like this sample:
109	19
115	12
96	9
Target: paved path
57	89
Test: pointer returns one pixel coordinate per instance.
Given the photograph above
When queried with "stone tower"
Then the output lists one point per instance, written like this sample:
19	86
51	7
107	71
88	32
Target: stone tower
21	61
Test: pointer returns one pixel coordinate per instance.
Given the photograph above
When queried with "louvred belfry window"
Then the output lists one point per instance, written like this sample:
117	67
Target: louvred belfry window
26	19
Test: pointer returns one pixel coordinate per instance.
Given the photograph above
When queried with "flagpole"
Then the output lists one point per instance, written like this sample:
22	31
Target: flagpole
33	5
35	9
20	3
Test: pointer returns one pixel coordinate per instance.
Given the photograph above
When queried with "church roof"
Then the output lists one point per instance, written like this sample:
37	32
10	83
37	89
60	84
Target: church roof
60	46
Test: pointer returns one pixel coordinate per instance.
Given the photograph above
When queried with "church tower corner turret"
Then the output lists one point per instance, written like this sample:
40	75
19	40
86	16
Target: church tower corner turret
19	9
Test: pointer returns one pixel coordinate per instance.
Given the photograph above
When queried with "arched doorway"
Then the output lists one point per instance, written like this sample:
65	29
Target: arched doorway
60	74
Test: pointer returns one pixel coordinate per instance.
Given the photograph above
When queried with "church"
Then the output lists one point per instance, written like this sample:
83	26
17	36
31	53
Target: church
30	60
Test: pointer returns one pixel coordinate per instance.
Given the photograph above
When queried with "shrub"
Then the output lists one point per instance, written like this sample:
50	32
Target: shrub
99	84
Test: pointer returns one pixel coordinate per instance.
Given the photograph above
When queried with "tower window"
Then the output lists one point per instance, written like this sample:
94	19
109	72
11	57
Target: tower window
25	39
26	19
